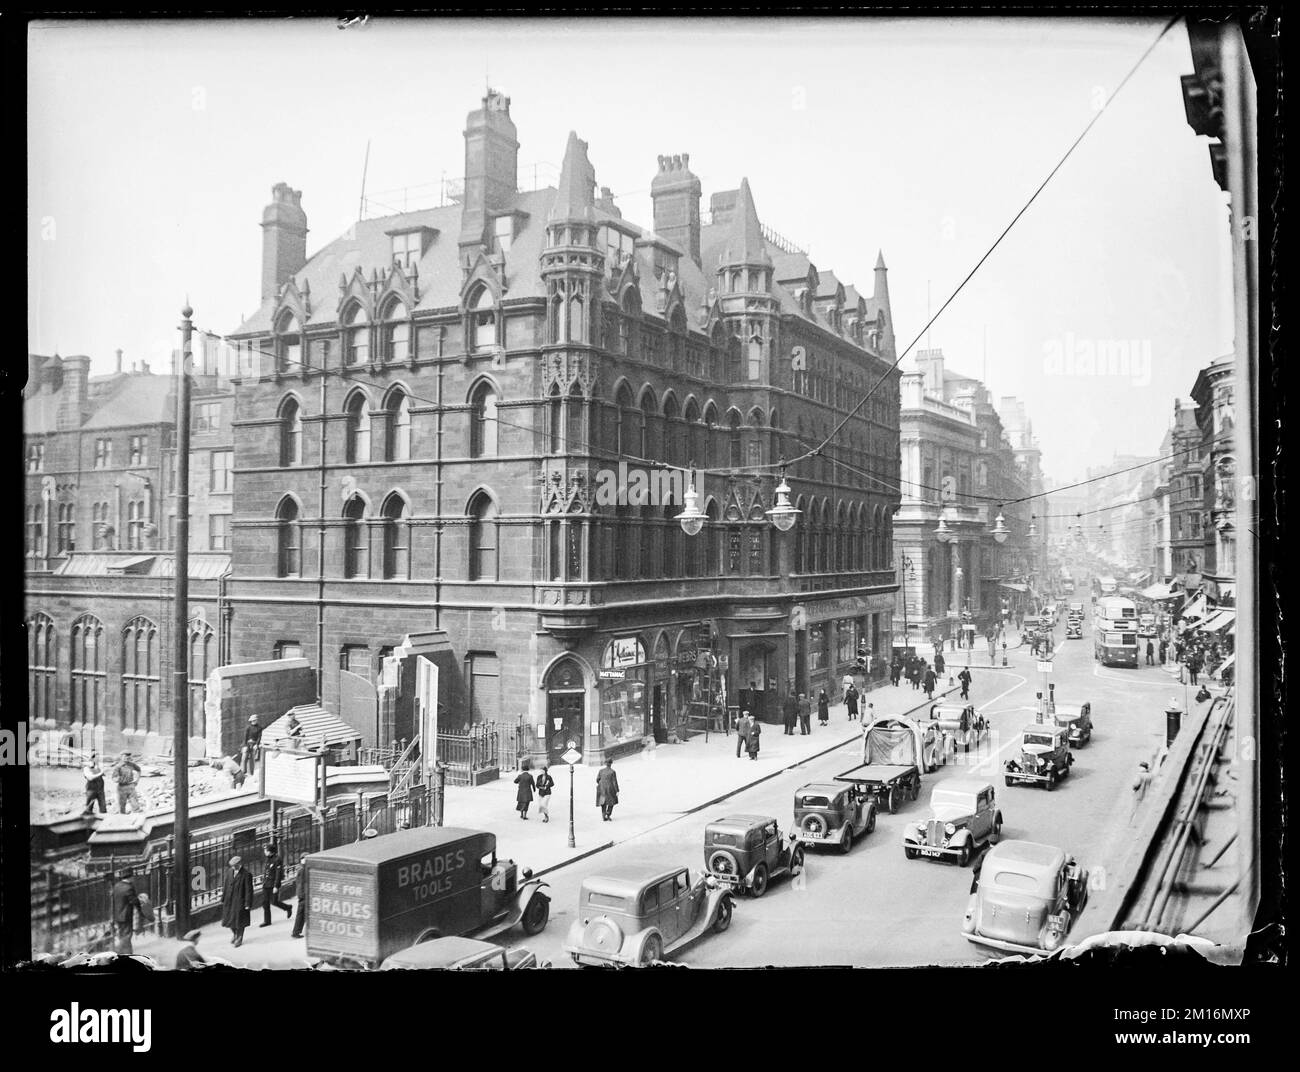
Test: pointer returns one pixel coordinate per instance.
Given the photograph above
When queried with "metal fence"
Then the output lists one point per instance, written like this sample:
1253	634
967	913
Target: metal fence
481	747
74	914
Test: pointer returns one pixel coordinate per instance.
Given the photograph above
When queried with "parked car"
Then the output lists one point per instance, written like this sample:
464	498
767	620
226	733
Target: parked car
1027	897
635	915
462	954
1146	625
1076	721
1044	757
745	852
826	813
965	726
964	818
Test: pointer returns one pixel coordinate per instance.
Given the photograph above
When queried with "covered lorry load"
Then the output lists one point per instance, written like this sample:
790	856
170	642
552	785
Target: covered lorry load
892	750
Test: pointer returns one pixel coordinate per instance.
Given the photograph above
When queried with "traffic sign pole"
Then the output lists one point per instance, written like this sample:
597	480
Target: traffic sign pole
571	757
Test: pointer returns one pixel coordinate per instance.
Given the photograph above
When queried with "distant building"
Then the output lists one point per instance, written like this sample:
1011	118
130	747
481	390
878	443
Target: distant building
1214	394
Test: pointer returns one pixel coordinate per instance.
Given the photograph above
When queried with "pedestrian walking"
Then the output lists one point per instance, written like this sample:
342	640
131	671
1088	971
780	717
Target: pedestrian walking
1194	666
790	713
929	681
1164	650
252	744
805	716
1151	653
524	794
755	734
188	957
127	775
895	670
272	880
607	790
964	678
126	903
1140	785
94	775
824	708
743	726
300	884
545	786
237	901
851	701
938	664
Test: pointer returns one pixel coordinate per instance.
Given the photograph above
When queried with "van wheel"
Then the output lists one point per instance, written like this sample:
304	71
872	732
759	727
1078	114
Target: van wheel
536	914
723	920
890	803
796	861
653	950
758	886
1009	781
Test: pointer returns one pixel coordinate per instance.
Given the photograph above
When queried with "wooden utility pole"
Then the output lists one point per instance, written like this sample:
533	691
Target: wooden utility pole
180	638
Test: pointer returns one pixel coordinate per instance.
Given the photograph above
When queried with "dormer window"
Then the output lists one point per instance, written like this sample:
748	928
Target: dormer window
356	336
288	343
503	234
408	248
618	248
483	321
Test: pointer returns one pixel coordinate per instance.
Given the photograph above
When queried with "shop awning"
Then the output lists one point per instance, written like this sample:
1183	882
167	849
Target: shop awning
1195	609
1225	665
1013	586
1220	619
1159	592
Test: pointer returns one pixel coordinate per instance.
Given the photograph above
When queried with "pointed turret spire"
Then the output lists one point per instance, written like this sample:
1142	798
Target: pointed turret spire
745	243
576	195
880	299
880	261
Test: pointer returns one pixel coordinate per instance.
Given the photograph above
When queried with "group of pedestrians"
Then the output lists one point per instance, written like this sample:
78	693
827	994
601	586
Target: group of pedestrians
918	671
543	786
125	773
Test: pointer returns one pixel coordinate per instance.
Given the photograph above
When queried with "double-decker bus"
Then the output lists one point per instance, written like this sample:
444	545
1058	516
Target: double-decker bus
1115	632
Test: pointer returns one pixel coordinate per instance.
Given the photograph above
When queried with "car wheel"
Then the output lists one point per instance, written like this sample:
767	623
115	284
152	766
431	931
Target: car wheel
758	885
996	836
1050	784
846	846
910	852
1010	782
724	916
536	914
653	950
796	861
963	857
871	820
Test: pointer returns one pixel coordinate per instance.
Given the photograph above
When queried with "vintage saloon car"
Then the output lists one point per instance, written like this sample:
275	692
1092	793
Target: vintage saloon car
1027	898
461	954
961	723
1074	629
745	852
1076	721
633	915
830	814
1044	757
964	817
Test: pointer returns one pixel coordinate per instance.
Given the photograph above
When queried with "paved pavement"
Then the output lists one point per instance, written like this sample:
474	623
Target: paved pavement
656	788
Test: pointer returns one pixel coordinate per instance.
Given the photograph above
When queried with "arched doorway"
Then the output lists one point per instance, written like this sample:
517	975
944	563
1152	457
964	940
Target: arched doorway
566	709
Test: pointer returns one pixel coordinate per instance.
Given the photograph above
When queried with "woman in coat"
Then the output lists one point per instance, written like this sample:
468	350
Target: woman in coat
823	708
851	701
755	732
237	900
524	794
606	790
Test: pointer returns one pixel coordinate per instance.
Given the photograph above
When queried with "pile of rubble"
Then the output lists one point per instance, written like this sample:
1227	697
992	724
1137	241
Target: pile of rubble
155	790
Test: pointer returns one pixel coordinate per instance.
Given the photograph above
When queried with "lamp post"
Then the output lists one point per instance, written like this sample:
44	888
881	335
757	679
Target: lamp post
905	569
571	757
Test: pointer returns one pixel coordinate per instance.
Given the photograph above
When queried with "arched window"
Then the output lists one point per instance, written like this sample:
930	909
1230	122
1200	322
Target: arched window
398	430
288	538
483	321
358	433
483	422
203	660
677	340
674	442
140	676
626	558
559	314
397	333
712	536
290	432
42	672
709	418
575	436
755	368
554	422
482	538
754	448
627	439
577	319
356	336
671	533
397	557
628	321
800	535
649	438
735	456
288	343
356	558
89	676
735	371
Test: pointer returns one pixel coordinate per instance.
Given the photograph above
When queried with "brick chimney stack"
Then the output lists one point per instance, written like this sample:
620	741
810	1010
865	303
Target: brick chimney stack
491	168
119	360
72	397
675	192
284	238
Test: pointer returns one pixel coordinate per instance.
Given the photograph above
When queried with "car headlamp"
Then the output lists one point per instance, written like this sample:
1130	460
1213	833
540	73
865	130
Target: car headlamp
950	829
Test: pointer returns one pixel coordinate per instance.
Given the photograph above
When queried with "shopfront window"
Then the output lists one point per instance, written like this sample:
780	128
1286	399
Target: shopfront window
624	701
846	648
817	651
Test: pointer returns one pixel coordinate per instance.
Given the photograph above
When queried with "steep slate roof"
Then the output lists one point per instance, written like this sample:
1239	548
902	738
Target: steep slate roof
40	414
158	564
142	400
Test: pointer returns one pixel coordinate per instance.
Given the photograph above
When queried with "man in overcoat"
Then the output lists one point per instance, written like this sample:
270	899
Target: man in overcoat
237	900
126	903
607	790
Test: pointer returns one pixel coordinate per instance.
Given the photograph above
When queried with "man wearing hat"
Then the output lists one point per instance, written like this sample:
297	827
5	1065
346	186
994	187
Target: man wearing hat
127	774
126	903
300	916
237	900
252	744
188	957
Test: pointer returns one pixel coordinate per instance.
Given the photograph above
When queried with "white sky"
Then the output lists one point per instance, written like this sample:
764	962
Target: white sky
153	147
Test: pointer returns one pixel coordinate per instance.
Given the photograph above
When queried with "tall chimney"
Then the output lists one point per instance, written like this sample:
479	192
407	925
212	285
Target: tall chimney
72	397
676	196
491	167
119	360
284	238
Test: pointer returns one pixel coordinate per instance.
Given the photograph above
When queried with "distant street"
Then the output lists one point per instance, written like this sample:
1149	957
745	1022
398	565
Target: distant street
875	907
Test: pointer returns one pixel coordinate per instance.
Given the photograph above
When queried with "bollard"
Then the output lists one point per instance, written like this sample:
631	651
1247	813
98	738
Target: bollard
1173	723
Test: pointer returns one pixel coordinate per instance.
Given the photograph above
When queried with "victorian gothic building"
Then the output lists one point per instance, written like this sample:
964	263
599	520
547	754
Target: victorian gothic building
462	435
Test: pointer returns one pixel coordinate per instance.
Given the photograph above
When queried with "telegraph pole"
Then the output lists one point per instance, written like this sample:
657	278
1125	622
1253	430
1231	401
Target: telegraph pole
181	646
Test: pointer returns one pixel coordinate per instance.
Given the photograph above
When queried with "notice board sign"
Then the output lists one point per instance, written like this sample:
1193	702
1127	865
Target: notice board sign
292	776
